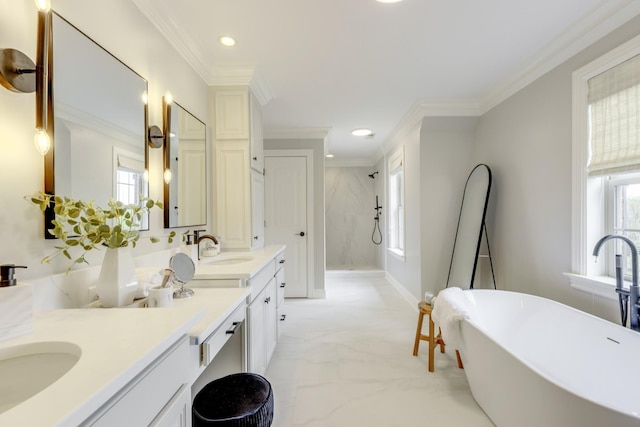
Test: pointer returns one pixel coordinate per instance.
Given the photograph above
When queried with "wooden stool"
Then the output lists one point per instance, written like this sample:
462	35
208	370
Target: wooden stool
434	340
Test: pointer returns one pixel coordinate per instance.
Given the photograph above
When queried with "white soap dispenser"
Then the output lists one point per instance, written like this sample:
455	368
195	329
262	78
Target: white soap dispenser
190	248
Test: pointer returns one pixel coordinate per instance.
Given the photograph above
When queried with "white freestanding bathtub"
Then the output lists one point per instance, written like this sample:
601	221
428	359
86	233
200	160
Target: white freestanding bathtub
531	361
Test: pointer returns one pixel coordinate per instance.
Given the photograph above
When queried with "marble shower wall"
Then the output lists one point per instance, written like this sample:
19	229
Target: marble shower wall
349	202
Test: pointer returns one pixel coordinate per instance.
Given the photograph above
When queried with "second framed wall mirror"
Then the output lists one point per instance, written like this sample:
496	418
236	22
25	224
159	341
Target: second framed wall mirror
185	197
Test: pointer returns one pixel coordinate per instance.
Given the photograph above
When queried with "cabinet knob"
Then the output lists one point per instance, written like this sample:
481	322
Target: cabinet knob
301	234
255	237
282	285
255	159
282	261
284	316
267	300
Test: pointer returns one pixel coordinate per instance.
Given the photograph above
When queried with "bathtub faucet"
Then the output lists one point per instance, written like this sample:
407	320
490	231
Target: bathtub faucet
634	290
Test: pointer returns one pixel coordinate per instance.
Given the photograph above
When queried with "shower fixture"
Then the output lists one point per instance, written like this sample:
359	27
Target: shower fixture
373	175
376	222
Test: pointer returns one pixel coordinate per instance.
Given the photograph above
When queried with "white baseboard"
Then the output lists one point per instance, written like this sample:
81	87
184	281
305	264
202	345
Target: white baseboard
319	294
408	296
345	274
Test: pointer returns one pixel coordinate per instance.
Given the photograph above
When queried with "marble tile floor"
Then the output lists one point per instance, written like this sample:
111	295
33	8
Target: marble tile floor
346	361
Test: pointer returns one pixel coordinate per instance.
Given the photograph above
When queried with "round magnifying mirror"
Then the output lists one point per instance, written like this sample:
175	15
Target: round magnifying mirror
183	271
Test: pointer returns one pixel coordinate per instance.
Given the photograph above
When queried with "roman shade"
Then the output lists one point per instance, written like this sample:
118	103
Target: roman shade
614	119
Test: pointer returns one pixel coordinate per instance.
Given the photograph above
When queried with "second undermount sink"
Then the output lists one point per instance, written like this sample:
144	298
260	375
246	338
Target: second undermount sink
226	259
27	369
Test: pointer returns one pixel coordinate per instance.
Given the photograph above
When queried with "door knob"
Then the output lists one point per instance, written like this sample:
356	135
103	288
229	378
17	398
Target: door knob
301	234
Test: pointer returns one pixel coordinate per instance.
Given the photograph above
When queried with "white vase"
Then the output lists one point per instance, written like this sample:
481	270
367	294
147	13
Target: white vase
117	283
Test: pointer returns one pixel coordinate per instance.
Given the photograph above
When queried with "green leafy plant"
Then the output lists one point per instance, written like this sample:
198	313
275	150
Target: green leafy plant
84	225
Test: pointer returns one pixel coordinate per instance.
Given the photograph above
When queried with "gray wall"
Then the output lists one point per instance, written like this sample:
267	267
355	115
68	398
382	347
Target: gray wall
317	145
446	151
527	142
349	206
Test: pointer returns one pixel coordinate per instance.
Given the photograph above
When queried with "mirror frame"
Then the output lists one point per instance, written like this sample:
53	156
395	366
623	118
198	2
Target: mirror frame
475	213
49	164
166	159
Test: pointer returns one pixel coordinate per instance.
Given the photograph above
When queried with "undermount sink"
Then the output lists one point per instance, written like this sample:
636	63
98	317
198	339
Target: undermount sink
26	370
226	260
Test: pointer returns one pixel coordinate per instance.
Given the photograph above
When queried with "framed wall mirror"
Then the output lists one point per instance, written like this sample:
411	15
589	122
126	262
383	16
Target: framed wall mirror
471	225
99	123
185	198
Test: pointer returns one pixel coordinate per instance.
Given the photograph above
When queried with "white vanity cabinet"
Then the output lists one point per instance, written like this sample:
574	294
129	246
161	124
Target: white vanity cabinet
239	168
160	395
262	319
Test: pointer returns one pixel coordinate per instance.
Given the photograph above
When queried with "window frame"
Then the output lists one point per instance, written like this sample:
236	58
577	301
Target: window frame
588	213
396	230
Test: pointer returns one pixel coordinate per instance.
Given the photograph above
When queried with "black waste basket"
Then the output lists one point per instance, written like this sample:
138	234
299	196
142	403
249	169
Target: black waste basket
237	400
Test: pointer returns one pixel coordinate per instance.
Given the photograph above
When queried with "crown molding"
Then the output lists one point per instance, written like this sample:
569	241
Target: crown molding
297	133
300	133
243	75
605	18
347	163
426	108
180	41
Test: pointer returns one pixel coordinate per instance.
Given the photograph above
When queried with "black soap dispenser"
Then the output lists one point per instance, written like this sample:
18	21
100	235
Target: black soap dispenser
6	274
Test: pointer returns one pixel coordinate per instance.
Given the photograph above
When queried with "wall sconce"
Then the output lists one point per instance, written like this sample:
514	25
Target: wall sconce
167	100
155	137
19	74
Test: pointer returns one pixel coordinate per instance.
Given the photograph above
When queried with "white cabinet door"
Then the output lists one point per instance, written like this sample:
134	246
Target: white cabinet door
257	144
232	114
257	352
177	413
270	321
233	198
257	209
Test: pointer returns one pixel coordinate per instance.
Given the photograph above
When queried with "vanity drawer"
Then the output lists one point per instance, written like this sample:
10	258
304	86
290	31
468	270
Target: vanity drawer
280	286
212	345
280	261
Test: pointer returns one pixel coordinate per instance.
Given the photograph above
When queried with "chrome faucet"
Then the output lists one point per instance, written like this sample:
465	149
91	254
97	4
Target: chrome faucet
634	290
199	238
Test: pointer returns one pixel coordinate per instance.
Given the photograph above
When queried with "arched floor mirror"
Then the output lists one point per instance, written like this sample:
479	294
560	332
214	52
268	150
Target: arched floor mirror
471	226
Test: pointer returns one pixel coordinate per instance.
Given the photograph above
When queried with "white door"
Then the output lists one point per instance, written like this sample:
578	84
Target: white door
286	217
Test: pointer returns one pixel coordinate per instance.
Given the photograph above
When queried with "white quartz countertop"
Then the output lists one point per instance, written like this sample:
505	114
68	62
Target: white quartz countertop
116	345
215	268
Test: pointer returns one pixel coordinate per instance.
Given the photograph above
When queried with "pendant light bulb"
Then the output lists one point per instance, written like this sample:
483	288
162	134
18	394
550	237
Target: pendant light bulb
167	176
42	141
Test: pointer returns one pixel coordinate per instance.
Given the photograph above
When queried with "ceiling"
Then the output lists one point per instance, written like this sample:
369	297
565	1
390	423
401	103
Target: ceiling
336	65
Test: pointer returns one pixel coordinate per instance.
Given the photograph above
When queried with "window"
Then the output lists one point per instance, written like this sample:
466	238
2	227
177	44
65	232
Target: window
396	202
130	183
606	163
623	213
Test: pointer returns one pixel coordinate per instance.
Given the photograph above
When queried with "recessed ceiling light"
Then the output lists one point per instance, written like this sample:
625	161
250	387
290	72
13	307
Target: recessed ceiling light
388	1
227	41
362	132
329	155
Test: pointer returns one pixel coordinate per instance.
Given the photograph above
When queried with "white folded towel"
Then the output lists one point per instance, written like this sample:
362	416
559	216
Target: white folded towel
450	307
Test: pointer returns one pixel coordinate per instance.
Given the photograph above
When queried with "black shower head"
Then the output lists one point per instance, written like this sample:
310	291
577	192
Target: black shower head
373	175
